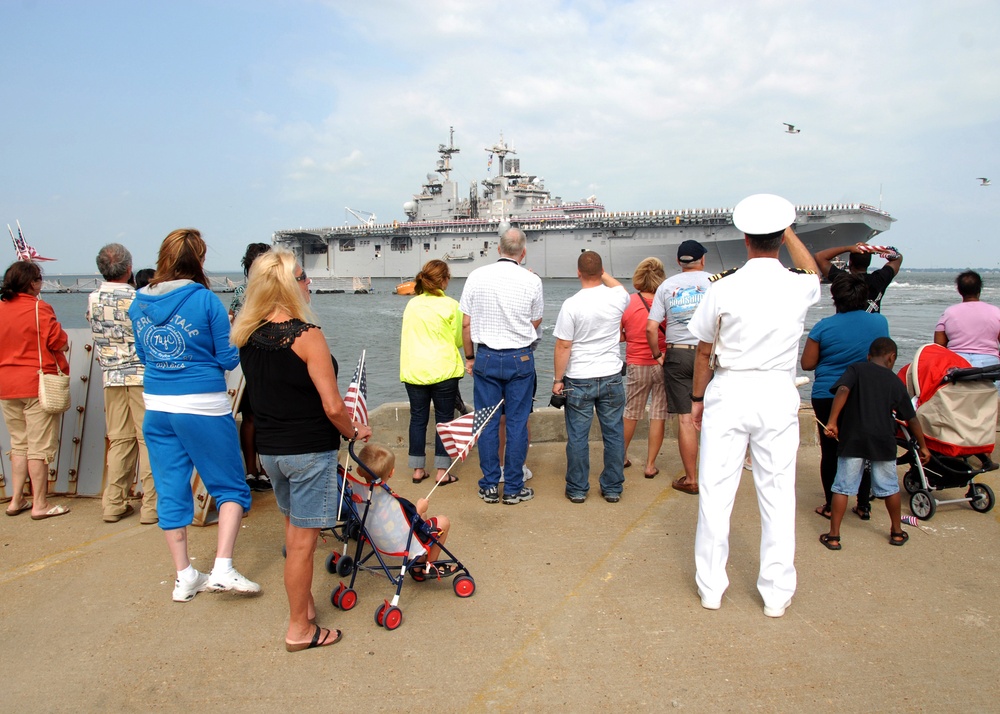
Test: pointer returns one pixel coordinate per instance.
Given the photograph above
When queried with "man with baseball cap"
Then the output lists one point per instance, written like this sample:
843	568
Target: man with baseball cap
676	300
748	327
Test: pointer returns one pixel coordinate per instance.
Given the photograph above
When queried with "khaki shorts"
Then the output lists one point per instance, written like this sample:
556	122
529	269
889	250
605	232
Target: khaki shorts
644	381
33	432
678	373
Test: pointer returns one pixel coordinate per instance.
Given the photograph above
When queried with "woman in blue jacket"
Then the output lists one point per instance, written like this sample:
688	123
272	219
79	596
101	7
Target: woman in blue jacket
182	337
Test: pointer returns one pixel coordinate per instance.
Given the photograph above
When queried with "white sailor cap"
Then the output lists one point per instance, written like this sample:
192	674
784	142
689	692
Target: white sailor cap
763	213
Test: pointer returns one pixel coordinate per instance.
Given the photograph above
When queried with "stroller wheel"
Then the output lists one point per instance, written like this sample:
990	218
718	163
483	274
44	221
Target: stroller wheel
344	565
331	563
354	530
922	505
911	481
464	586
392	618
348	599
336	593
982	497
380	613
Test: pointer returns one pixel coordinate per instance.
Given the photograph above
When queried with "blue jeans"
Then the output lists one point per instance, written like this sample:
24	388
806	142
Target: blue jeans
583	396
885	480
421	395
507	375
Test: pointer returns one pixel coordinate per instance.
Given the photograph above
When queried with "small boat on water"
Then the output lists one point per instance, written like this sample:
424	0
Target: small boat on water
407	287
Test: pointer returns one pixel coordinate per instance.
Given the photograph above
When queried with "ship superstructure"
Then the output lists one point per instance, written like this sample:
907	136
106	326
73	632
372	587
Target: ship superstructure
463	227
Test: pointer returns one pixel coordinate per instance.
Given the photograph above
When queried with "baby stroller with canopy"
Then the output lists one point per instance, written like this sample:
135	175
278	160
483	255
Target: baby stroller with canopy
385	534
957	410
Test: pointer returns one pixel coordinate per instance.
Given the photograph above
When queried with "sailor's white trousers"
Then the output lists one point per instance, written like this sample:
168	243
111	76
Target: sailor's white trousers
759	408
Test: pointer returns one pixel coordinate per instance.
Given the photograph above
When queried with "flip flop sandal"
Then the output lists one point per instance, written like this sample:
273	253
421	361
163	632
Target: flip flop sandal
831	542
17	511
864	514
823	511
898	538
319	639
51	513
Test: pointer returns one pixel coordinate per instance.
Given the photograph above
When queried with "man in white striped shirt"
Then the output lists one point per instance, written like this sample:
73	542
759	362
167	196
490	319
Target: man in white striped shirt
502	306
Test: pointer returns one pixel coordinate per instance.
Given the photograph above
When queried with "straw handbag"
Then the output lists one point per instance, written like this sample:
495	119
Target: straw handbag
53	389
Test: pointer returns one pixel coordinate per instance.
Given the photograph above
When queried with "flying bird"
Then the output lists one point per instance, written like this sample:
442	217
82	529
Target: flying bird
983	181
791	128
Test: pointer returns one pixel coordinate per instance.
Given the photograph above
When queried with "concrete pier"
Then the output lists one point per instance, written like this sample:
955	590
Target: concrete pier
578	608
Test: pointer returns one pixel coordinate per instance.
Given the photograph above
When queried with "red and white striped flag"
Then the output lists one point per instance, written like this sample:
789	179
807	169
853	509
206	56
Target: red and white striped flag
459	436
910	520
356	399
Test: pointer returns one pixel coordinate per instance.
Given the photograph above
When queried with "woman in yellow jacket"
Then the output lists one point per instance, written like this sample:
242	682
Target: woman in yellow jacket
430	363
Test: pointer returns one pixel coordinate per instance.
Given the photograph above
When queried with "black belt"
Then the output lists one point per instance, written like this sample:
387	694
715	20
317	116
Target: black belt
480	345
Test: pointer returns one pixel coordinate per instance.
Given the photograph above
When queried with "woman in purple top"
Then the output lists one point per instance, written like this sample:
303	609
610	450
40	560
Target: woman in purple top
972	327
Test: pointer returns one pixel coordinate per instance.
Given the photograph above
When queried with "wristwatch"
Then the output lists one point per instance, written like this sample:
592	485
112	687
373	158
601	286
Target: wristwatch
698	399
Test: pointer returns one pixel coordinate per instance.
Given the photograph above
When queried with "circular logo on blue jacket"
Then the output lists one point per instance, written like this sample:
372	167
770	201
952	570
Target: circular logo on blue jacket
165	342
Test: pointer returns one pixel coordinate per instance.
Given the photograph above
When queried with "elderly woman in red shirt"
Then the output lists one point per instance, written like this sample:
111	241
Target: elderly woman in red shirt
34	434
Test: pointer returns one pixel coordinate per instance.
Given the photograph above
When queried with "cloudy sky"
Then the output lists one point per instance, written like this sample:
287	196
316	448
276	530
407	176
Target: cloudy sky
124	120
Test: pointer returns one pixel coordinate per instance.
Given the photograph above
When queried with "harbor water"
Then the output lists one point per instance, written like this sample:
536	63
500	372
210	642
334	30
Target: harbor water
352	323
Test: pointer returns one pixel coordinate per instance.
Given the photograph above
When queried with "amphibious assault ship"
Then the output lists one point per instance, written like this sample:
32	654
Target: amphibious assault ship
463	229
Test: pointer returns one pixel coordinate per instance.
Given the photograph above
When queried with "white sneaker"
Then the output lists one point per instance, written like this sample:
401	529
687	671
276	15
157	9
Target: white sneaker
711	605
527	473
184	591
232	581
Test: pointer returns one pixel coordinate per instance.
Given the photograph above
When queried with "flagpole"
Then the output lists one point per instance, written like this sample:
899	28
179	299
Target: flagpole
347	459
465	452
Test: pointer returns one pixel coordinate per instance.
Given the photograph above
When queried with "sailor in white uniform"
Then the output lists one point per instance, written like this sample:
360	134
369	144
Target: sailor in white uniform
748	326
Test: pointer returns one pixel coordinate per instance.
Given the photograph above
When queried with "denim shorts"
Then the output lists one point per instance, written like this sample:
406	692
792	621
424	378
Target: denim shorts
305	487
885	480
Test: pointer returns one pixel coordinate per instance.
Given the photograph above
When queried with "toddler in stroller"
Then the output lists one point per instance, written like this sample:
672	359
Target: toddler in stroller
957	408
394	527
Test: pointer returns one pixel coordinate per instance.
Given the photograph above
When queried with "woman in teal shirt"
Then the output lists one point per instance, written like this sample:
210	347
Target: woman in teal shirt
834	343
430	363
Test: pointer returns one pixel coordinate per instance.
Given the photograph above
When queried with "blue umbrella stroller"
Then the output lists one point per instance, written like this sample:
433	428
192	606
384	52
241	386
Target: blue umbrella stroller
386	537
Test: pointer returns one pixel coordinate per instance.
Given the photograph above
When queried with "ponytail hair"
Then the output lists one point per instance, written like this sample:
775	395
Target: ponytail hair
432	278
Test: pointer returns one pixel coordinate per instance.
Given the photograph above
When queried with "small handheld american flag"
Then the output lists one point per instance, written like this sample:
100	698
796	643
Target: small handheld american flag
459	436
910	520
356	399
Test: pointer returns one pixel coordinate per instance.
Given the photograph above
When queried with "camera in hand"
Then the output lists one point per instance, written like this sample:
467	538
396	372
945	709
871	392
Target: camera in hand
558	401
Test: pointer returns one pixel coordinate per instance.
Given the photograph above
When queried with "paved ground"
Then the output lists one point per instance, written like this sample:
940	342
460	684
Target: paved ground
577	608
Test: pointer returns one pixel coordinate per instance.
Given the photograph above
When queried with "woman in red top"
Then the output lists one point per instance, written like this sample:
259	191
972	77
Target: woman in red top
34	434
644	376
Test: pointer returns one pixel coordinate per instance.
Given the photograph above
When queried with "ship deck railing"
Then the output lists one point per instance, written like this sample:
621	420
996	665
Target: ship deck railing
624	219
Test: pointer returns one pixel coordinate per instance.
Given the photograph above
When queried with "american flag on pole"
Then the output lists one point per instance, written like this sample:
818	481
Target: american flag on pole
356	399
910	520
459	435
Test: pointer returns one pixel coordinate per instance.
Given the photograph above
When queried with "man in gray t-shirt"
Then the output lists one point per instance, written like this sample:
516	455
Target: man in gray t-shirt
676	300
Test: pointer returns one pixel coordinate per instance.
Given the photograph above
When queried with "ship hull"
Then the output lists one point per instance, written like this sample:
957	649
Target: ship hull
399	251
